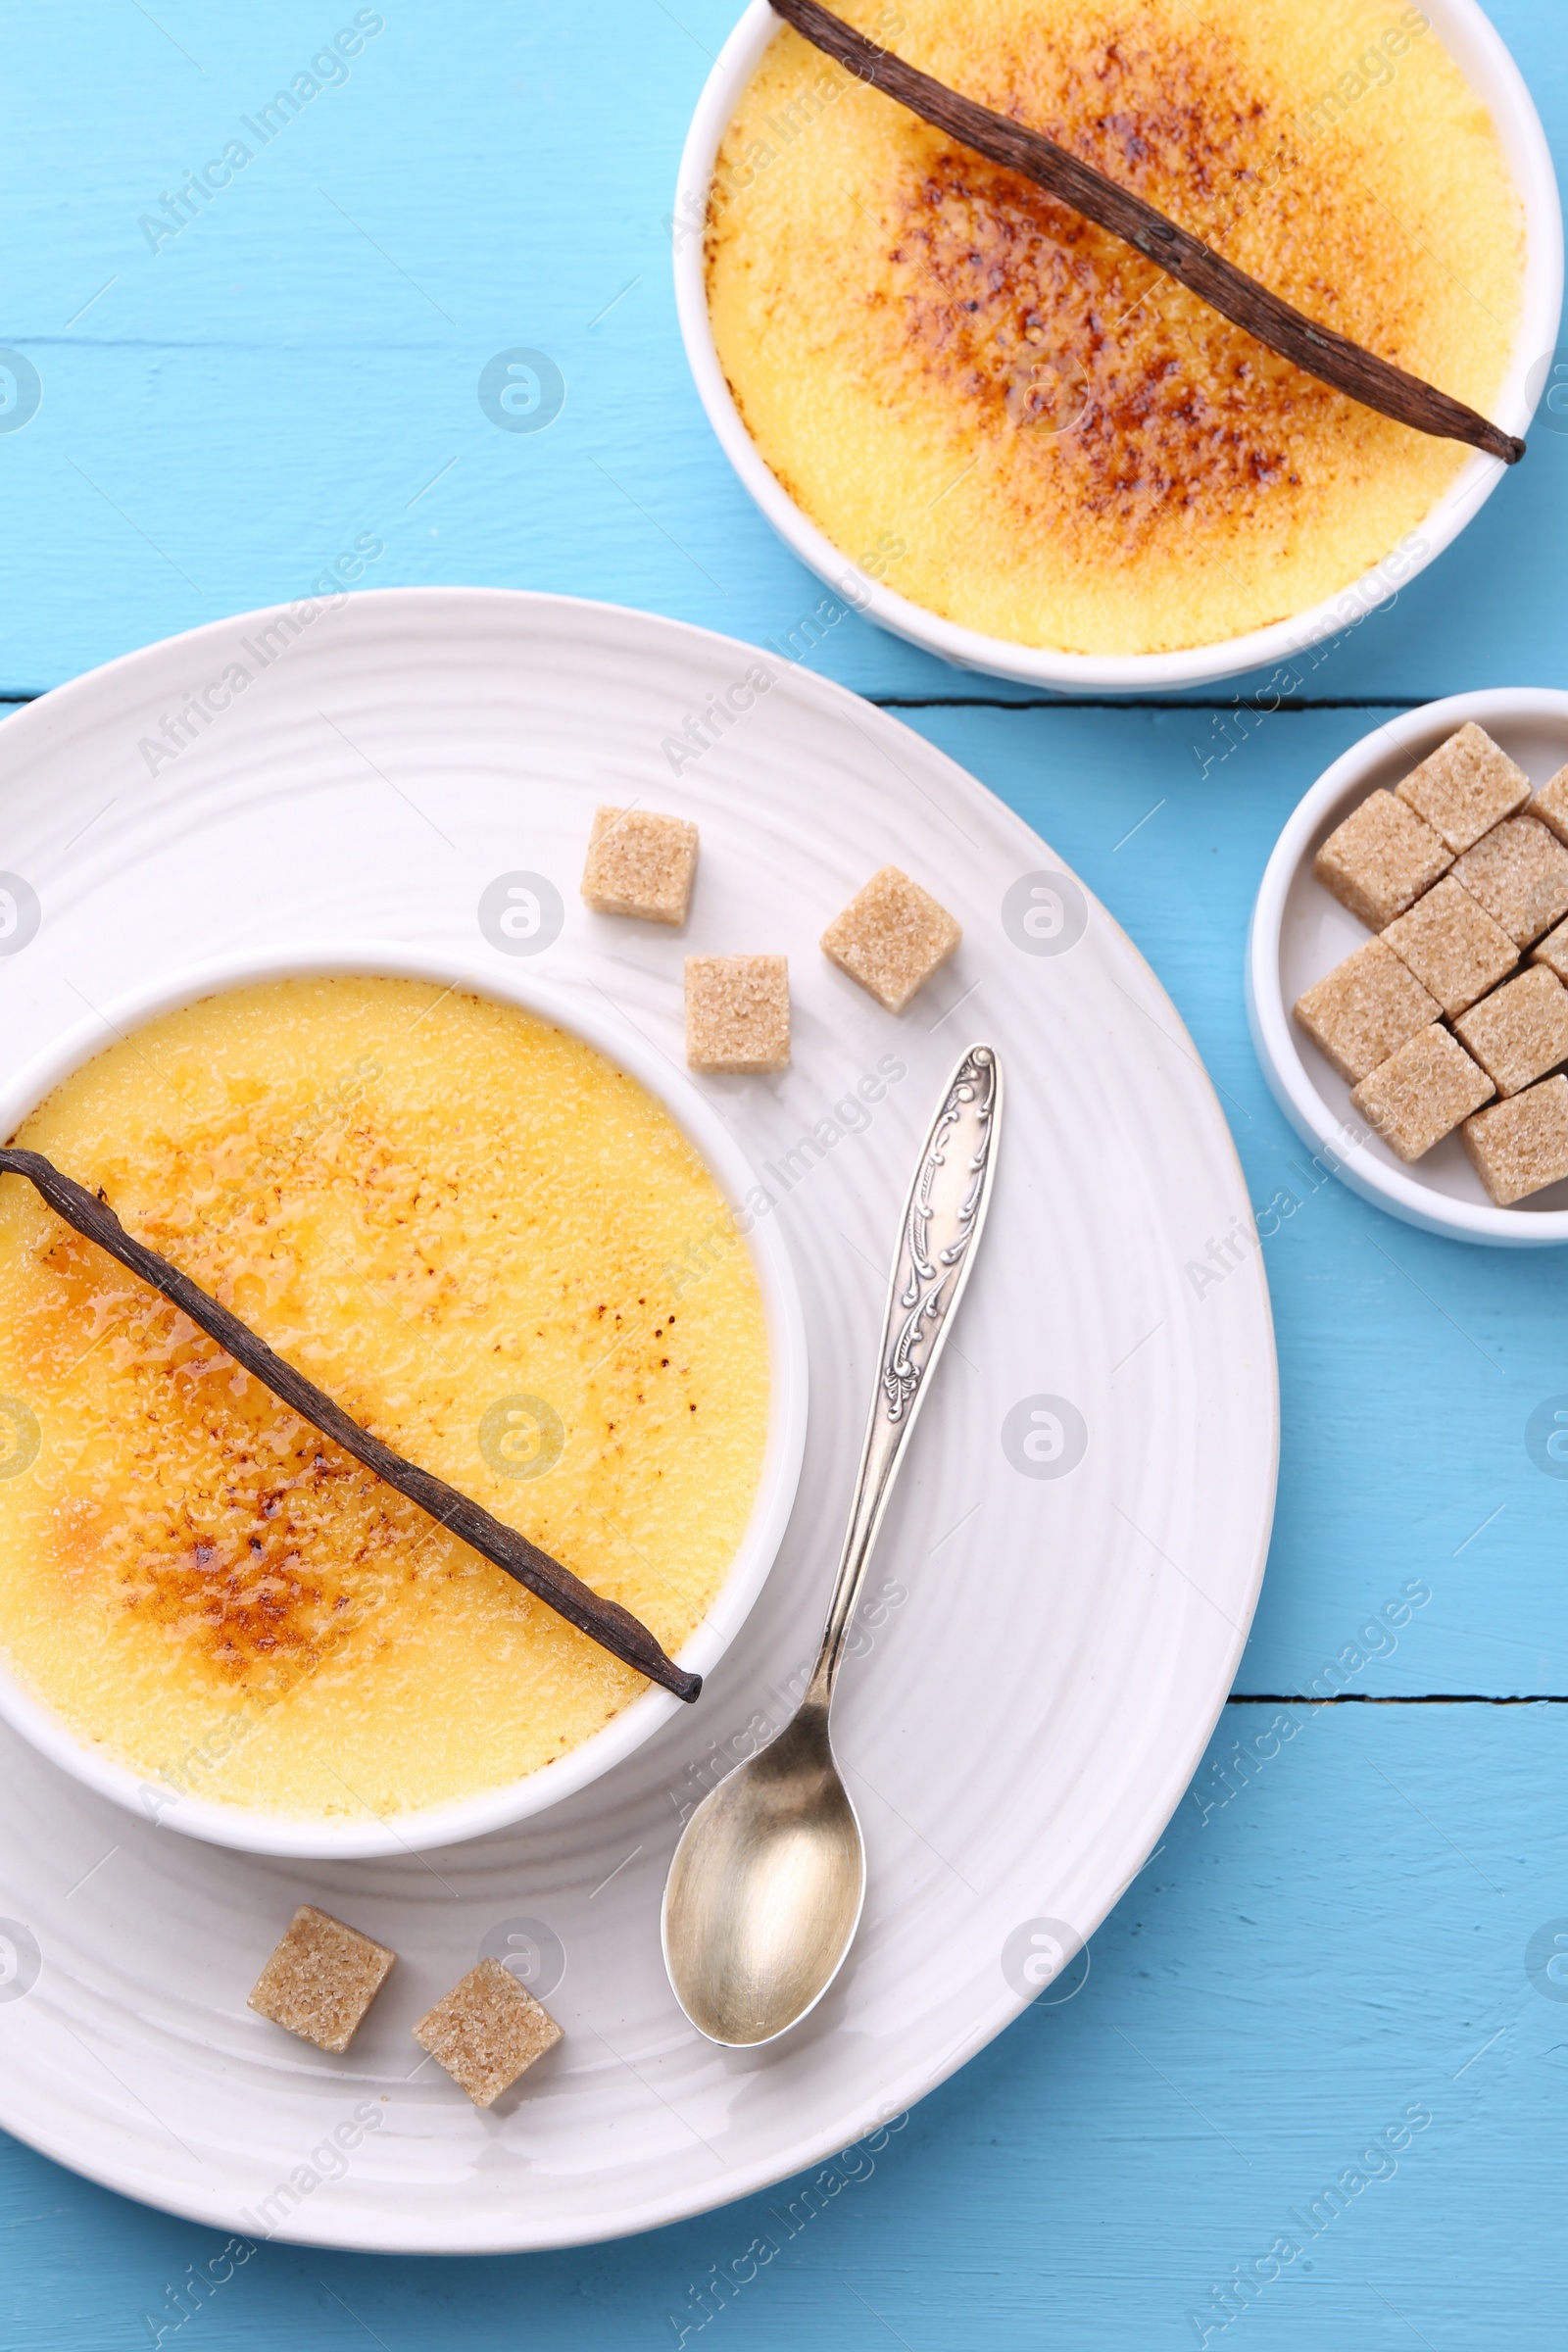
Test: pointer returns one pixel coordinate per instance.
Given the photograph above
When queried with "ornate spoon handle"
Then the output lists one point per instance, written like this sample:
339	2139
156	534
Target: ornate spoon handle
942	1220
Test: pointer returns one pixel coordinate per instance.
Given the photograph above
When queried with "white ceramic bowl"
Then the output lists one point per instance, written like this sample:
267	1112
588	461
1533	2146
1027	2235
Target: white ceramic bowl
274	1833
1478	49
1300	932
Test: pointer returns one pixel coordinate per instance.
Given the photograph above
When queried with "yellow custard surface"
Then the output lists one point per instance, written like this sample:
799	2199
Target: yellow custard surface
1013	419
498	1253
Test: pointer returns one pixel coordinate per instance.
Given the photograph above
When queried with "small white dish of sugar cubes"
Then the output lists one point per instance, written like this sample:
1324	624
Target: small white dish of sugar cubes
1407	967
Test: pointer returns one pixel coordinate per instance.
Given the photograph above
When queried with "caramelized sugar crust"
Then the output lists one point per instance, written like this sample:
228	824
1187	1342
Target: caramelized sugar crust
1009	302
249	1555
441	1210
1060	445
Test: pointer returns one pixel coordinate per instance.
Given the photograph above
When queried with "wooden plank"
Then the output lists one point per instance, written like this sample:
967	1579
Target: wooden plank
297	367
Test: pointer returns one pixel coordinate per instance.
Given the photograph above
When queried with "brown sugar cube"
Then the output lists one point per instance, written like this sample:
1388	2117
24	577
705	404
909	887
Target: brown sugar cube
738	1013
1521	1032
640	864
1364	1009
1420	1093
1519	873
1380	861
1554	951
891	938
1520	1145
1467	786
1550	804
321	1979
1452	945
486	2032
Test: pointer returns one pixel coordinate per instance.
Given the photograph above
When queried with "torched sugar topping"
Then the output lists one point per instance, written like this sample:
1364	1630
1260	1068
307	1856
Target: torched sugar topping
495	1251
1060	445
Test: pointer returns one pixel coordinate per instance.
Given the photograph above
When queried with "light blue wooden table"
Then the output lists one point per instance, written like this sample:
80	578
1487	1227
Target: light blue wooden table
1334	1932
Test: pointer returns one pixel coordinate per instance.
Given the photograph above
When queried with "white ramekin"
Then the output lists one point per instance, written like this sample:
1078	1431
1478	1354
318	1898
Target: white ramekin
261	1832
1479	51
1298	933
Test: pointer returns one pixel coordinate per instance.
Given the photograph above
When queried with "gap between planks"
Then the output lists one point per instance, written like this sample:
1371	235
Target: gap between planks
1292	703
1370	1698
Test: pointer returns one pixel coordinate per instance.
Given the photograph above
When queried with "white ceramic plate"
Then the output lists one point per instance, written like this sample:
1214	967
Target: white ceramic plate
1300	932
1047	1639
1474	42
589	1017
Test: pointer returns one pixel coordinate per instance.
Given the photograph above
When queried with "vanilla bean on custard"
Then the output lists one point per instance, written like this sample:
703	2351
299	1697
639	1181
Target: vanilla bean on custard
1316	350
606	1621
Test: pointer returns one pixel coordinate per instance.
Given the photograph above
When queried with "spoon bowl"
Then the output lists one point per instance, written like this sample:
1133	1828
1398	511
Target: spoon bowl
765	1889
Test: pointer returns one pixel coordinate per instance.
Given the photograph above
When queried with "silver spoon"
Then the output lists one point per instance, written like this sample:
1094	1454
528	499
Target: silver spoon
766	1887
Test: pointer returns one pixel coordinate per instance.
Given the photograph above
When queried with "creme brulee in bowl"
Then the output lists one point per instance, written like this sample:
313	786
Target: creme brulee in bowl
1007	434
498	1249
